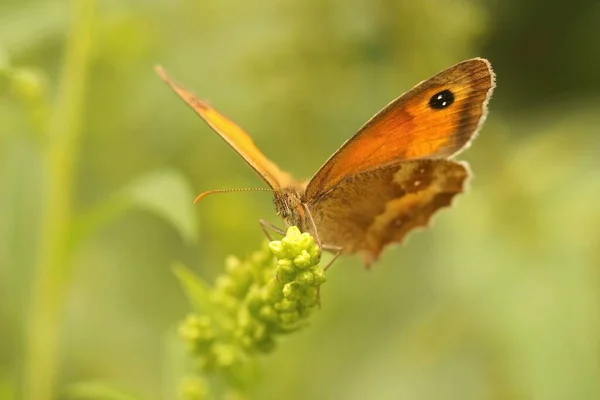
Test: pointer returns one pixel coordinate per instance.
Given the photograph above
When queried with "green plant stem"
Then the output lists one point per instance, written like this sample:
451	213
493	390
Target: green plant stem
60	156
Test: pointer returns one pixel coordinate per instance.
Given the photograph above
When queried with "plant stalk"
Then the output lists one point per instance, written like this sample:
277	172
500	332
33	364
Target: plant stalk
60	158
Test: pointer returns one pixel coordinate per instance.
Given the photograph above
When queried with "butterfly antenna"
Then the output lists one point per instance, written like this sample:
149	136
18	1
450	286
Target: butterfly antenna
202	195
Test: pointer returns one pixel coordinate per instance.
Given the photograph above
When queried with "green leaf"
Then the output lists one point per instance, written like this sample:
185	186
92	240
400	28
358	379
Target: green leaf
96	390
165	193
199	294
24	28
197	291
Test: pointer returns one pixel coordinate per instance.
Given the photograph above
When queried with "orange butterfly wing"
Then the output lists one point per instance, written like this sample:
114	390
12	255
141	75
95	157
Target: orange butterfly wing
410	128
368	211
232	134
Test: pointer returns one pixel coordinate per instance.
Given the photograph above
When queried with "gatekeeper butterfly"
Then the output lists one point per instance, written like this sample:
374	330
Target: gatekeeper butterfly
387	179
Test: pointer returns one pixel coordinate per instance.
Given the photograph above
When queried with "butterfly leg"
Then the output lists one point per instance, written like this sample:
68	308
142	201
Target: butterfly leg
266	227
336	253
335	250
313	231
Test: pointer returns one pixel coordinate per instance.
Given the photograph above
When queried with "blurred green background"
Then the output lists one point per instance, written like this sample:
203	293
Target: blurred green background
99	163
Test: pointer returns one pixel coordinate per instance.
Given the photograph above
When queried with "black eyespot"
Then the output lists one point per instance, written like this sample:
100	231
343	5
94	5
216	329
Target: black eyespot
441	100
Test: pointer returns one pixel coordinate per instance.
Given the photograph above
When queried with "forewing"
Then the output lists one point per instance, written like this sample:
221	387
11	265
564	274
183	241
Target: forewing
409	128
232	134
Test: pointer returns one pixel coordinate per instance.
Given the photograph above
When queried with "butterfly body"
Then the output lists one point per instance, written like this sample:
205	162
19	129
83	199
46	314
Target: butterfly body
292	208
387	179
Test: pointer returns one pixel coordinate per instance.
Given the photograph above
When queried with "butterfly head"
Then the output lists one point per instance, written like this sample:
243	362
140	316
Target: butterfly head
288	205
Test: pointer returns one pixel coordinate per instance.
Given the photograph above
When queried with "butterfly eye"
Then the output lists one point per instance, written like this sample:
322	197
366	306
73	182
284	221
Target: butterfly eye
441	100
284	210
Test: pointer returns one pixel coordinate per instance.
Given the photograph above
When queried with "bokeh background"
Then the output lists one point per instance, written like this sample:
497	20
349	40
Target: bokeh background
99	163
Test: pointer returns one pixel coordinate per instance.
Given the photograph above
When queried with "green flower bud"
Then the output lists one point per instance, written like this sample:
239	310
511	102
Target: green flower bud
226	301
285	267
240	276
255	299
198	332
234	395
277	248
308	302
291	291
272	293
293	235
310	292
263	257
188	329
285	305
306	241
193	388
289	318
224	355
267	314
266	345
305	278
284	277
303	260
318	276
231	263
291	243
196	327
260	332
244	320
246	341
266	274
225	284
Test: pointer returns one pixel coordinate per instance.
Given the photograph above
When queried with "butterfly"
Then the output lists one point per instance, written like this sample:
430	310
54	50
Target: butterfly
387	179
